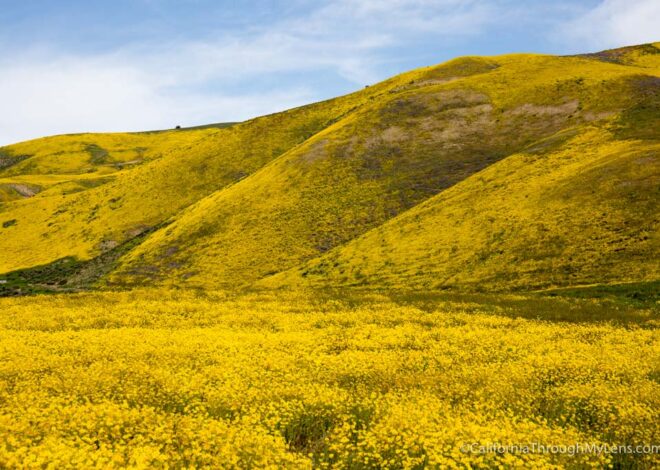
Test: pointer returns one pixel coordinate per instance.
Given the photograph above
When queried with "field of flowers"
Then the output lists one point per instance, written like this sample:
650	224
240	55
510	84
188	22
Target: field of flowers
167	379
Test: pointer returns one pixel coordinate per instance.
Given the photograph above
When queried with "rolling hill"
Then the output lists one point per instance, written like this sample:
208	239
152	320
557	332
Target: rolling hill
483	173
167	172
582	213
342	285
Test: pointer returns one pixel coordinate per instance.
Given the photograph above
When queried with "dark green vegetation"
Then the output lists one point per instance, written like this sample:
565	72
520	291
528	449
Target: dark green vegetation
629	304
67	274
637	294
642	119
98	155
7	158
623	55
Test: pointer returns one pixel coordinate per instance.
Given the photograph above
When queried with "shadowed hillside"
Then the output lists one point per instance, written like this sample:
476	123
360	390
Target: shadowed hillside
583	213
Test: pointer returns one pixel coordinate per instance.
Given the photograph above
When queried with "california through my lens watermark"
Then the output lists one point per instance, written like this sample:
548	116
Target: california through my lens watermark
566	449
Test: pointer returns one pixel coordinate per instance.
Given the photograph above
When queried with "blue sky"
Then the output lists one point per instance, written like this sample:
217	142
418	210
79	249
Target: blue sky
90	65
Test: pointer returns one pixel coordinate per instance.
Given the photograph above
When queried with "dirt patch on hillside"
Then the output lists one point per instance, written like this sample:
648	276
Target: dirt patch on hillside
315	151
394	134
418	105
622	54
546	110
458	124
138	230
25	190
106	245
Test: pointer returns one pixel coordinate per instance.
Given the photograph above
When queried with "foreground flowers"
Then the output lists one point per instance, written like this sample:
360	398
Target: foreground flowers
178	379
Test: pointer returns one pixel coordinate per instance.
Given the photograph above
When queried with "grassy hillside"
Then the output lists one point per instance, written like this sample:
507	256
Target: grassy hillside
97	191
441	126
481	164
582	213
72	163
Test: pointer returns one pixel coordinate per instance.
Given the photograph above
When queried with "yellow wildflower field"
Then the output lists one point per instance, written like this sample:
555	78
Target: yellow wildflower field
188	379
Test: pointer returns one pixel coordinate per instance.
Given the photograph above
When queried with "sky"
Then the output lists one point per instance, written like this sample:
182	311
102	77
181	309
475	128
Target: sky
125	65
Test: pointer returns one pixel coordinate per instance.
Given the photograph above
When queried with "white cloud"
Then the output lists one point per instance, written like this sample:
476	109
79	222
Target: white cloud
615	23
48	96
149	86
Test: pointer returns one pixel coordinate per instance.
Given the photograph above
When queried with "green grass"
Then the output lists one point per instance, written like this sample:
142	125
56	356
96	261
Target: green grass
636	294
635	304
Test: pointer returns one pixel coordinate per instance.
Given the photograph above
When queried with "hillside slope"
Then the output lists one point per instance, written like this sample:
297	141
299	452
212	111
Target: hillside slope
475	173
576	209
100	190
582	213
443	125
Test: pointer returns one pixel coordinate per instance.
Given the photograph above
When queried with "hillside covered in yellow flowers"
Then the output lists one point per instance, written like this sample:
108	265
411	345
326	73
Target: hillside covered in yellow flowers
482	173
458	267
